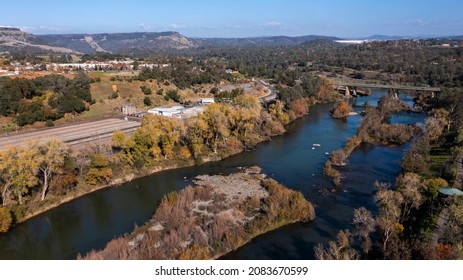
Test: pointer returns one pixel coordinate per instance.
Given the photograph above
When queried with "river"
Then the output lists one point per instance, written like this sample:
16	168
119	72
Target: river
91	221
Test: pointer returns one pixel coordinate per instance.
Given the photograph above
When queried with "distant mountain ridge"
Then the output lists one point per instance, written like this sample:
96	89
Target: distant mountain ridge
263	41
146	43
135	42
13	39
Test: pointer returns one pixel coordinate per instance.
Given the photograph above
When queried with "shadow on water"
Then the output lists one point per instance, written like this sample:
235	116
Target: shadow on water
92	220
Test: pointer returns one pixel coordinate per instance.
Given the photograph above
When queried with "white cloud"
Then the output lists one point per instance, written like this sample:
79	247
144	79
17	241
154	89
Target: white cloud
177	26
420	22
150	28
41	29
233	26
272	24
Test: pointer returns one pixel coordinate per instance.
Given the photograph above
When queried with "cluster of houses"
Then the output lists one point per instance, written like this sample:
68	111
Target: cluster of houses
16	68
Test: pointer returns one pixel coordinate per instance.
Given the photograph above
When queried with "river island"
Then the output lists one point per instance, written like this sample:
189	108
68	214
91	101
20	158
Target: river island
219	214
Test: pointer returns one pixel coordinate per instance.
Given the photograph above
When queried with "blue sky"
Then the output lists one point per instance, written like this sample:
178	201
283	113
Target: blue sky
238	18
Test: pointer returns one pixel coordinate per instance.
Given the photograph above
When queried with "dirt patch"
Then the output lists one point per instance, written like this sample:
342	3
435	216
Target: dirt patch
236	186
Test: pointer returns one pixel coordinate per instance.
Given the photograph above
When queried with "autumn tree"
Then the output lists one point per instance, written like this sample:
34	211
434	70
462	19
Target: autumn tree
5	219
51	157
118	139
300	107
411	187
197	130
215	117
338	157
434	128
341	110
277	111
99	171
432	187
388	220
244	117
337	250
364	224
19	167
170	135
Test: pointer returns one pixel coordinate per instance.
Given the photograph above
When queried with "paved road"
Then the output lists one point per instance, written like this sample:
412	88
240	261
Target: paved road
272	95
441	223
459	177
73	134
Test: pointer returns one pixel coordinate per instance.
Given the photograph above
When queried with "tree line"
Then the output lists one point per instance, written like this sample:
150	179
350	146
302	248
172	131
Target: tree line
30	174
45	98
407	210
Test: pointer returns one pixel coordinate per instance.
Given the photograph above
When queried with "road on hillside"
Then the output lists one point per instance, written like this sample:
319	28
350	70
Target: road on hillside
272	95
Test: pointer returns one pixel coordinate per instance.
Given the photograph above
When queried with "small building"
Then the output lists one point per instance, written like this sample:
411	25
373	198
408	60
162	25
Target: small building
129	110
205	101
167	111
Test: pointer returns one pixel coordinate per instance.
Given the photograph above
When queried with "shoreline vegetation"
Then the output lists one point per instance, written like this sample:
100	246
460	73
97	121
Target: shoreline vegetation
219	214
161	143
407	224
374	129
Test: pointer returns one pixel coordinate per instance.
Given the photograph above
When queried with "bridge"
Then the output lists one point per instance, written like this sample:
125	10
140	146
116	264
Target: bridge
350	86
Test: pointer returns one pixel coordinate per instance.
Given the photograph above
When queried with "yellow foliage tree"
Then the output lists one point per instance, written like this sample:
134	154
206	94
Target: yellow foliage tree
50	159
118	140
18	167
5	219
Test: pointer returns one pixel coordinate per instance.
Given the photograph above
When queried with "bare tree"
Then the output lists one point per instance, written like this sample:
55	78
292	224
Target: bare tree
337	250
51	159
388	221
364	224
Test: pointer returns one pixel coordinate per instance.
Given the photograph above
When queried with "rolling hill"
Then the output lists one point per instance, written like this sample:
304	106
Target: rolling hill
14	40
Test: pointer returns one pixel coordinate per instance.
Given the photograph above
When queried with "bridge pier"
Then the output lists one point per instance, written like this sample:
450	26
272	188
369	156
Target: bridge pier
394	92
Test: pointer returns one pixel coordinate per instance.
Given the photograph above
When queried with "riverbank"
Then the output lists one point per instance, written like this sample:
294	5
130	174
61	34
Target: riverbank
218	215
124	175
85	189
91	221
374	129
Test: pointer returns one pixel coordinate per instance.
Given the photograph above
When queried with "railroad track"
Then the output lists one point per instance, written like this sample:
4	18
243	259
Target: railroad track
72	134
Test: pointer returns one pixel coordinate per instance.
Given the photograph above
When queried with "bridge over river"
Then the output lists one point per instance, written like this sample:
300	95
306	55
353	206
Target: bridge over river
350	86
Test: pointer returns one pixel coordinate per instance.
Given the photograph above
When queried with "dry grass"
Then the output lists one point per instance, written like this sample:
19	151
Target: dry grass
180	230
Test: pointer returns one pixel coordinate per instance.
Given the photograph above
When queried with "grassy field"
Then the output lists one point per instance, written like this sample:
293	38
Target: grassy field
439	157
128	92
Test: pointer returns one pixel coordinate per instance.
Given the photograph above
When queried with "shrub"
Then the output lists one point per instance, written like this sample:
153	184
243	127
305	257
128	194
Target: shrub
300	107
341	110
5	219
147	101
338	157
49	123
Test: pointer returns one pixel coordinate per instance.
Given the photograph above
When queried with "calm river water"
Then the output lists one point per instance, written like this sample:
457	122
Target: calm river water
91	221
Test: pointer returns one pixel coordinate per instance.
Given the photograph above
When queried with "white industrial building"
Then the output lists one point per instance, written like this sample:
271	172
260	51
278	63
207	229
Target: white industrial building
205	101
167	111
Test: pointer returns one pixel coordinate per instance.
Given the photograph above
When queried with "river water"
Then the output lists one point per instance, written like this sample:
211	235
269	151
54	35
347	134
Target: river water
91	221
